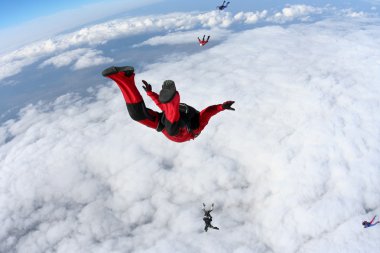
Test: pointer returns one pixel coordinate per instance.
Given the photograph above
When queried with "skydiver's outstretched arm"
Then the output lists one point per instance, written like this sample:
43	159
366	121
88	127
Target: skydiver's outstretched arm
227	4
206	114
203	37
153	95
199	40
372	219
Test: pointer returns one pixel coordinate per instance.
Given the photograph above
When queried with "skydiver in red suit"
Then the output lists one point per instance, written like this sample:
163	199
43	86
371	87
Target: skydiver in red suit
203	41
178	122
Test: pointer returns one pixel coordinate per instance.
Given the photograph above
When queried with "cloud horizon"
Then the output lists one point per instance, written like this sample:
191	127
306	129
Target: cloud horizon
13	62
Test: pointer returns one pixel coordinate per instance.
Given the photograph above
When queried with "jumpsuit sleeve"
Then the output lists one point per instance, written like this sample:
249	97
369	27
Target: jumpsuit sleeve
154	96
206	114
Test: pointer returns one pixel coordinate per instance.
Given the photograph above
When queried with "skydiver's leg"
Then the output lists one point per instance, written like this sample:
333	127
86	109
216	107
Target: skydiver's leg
205	116
208	38
127	86
135	104
227	4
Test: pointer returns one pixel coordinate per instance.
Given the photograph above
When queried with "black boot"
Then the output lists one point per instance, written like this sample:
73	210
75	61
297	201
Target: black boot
128	70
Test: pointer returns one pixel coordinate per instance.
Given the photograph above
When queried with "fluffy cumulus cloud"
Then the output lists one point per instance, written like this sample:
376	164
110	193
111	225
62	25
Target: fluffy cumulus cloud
250	17
354	14
294	169
292	12
80	58
13	62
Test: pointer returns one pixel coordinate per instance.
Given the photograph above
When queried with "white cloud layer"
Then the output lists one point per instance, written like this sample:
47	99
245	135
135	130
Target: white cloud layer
185	37
13	62
80	58
294	169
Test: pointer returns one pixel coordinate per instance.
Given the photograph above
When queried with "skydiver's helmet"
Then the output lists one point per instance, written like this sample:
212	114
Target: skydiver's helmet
168	91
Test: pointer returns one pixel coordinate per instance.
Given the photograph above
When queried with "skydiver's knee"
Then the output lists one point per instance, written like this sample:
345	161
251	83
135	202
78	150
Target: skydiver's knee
136	111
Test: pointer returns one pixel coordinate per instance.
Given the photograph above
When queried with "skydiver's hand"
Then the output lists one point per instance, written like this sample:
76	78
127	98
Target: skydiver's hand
227	105
147	87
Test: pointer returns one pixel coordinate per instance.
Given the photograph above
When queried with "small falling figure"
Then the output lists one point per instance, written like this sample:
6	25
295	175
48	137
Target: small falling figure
367	224
223	6
203	41
208	218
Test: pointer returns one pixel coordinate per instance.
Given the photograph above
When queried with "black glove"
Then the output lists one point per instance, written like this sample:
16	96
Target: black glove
147	87
227	105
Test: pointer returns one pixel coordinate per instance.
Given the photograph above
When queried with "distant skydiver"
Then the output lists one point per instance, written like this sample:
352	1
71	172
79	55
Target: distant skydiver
208	218
177	121
367	224
203	41
223	6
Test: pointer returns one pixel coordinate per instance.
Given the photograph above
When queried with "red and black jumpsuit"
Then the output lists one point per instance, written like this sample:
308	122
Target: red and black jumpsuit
173	129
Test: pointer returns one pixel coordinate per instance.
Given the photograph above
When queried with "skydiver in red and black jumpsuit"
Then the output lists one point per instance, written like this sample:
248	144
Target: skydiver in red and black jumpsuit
178	122
203	41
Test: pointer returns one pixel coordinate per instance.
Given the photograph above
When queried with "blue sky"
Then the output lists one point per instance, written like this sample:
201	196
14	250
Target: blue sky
16	12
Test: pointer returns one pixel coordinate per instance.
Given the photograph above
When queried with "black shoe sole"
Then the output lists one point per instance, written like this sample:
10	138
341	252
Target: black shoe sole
128	70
